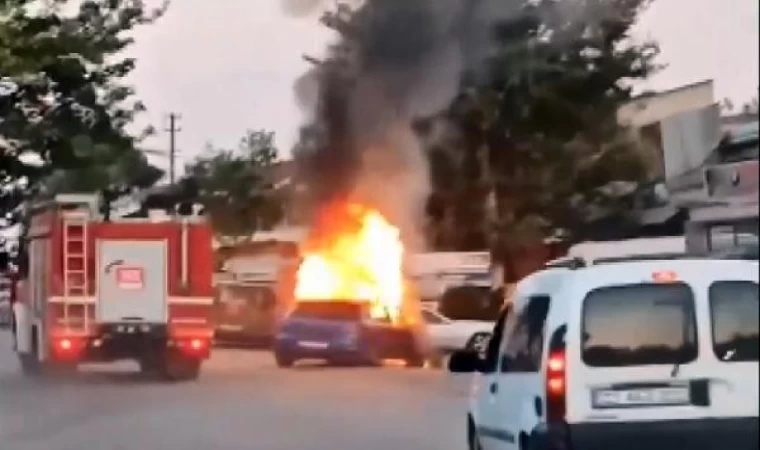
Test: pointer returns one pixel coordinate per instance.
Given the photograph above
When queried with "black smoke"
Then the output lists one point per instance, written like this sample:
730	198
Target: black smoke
397	61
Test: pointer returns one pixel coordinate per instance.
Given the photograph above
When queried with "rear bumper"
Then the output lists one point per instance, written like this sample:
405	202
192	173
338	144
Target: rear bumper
292	350
701	434
244	336
116	342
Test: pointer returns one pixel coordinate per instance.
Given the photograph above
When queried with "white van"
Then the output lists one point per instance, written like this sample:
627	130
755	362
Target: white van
632	355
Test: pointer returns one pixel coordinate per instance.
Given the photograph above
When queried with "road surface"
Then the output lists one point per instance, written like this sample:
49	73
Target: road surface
241	402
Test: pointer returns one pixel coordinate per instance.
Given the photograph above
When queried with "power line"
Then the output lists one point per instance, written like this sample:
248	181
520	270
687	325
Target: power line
173	129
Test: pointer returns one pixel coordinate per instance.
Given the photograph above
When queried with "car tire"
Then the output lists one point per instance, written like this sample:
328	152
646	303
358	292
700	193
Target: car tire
415	361
478	342
283	361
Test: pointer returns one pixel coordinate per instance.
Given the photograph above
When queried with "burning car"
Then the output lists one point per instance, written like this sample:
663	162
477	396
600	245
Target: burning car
352	302
343	332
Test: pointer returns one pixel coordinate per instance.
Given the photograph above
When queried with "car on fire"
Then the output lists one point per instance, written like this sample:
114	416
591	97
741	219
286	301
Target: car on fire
343	332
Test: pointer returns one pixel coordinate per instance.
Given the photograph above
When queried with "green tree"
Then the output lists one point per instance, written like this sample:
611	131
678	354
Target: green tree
236	186
63	102
540	151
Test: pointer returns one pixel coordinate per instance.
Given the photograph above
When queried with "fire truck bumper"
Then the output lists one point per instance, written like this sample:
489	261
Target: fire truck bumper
129	341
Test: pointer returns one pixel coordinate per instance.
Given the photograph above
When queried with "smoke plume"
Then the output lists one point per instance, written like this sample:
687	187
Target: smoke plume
398	61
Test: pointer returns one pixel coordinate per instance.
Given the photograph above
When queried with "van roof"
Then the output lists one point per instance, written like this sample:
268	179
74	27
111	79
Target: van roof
692	271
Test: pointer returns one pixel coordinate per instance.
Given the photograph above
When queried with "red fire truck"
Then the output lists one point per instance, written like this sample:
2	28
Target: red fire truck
95	290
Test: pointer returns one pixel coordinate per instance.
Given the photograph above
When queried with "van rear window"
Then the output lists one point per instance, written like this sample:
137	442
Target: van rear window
734	306
639	324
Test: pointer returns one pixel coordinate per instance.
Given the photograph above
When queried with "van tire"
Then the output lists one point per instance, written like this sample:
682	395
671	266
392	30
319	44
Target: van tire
473	442
524	441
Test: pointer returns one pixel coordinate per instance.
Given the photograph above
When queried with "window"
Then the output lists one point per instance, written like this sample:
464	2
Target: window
639	324
524	342
432	318
734	310
491	358
342	311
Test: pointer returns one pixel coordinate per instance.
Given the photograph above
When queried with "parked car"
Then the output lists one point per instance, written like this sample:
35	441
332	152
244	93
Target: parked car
342	331
655	354
448	335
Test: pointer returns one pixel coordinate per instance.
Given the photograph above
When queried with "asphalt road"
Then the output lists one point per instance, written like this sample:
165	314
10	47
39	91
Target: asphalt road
242	401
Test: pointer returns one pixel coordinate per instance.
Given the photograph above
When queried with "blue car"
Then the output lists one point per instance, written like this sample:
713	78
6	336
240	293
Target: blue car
343	332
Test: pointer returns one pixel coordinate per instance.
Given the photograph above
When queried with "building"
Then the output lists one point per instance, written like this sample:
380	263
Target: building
705	165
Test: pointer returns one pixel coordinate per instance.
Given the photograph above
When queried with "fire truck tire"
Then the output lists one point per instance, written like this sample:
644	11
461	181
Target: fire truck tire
30	364
181	369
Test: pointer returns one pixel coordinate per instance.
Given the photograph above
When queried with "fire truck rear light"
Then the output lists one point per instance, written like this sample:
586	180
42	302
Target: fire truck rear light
65	344
197	344
97	343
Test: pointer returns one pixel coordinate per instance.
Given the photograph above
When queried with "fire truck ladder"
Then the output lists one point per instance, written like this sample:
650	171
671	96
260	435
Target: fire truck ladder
75	276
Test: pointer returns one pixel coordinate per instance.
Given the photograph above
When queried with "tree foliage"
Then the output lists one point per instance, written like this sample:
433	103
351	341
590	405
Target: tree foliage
236	187
63	103
540	150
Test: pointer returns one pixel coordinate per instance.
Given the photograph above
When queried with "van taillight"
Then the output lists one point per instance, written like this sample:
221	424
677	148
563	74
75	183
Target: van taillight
556	388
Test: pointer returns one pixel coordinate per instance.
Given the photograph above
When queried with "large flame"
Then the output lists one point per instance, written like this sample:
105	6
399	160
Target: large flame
354	253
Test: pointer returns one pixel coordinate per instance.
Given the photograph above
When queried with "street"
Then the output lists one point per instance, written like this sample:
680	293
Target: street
242	401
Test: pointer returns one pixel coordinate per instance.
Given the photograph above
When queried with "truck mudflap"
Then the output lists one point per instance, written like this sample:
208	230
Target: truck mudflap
692	434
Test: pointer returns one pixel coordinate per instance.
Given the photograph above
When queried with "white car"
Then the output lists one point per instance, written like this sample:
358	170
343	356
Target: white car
621	356
448	335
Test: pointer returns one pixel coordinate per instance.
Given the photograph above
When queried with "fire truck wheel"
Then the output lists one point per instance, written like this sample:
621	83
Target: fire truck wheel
181	369
30	364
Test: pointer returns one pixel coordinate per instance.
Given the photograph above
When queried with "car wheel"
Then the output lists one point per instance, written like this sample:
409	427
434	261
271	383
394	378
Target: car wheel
415	362
478	342
283	361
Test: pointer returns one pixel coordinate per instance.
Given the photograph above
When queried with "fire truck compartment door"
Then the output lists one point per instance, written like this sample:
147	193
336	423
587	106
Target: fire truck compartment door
131	281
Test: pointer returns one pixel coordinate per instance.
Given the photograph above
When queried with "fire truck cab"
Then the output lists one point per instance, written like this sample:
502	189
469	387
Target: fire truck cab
95	290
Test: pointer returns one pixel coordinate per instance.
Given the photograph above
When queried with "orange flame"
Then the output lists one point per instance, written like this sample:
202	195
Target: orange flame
354	253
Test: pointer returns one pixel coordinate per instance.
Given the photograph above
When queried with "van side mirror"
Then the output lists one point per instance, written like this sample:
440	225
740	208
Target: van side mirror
465	361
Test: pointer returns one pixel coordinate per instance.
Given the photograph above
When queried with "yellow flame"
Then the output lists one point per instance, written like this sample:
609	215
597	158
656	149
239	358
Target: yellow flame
360	260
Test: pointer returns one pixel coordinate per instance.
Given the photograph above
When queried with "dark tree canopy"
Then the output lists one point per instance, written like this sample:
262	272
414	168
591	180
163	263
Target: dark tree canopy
236	187
540	149
63	103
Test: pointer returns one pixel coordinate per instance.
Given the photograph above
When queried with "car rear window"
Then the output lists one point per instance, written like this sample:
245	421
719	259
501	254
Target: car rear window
343	311
639	324
734	309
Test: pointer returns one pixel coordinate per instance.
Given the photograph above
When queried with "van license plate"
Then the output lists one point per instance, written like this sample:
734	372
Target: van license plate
666	396
313	345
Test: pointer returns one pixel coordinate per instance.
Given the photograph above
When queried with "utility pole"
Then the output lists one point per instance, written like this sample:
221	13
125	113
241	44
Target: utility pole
173	129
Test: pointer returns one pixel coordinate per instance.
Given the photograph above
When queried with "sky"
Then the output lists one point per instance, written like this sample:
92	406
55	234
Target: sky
229	65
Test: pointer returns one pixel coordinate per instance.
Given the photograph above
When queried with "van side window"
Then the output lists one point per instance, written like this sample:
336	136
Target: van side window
491	360
525	342
734	310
